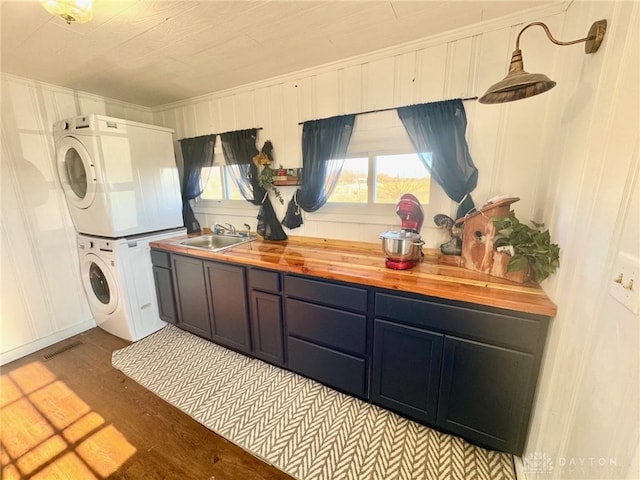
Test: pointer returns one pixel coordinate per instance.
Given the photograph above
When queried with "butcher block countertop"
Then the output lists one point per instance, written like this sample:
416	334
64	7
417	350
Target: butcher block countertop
359	262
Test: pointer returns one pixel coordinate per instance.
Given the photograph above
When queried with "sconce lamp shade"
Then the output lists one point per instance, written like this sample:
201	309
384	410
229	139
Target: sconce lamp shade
519	84
72	11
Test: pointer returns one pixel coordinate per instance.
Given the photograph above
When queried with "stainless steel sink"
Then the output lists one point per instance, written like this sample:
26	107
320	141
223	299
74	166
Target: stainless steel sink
215	243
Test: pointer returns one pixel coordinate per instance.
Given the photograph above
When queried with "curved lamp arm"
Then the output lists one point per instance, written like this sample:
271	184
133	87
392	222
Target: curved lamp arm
593	38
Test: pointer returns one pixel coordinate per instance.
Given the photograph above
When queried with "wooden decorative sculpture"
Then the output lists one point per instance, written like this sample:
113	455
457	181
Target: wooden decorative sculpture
478	252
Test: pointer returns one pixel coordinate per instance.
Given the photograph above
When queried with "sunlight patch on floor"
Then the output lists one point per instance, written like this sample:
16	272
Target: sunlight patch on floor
48	432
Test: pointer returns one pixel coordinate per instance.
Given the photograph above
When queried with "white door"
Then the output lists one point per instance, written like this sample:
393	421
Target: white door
99	284
76	171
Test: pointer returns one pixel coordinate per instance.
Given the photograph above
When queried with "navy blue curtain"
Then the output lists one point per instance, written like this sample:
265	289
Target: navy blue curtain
324	146
437	132
197	153
239	148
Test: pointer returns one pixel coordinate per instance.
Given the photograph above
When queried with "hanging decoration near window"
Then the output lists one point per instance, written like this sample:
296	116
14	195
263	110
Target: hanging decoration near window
239	150
269	227
293	217
263	161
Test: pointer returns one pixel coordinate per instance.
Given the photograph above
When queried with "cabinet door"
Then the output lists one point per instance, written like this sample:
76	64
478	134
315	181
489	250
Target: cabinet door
266	326
164	294
406	369
486	393
228	299
191	295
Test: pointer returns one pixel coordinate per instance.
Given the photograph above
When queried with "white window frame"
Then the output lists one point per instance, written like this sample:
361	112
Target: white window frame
378	213
222	206
379	133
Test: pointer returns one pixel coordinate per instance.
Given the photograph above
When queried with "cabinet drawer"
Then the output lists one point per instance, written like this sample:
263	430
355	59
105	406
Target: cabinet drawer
328	326
160	259
335	295
506	330
332	368
264	280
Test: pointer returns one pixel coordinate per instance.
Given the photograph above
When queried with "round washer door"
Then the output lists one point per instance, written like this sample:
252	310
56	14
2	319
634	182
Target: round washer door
99	284
76	171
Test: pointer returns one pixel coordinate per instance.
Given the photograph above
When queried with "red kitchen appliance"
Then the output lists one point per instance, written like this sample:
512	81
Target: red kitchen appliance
404	248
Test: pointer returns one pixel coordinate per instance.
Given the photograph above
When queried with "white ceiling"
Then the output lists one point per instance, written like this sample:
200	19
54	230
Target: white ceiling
151	52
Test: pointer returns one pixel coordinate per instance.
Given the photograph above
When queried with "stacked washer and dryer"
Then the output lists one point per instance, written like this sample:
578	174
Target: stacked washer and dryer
122	189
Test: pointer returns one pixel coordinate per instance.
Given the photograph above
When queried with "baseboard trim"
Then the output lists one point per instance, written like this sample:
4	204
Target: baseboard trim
39	344
519	468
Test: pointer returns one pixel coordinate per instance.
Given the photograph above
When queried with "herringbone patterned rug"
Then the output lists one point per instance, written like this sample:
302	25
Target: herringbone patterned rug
300	426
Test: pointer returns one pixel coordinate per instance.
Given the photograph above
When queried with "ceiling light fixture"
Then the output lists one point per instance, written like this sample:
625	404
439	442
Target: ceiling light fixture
72	11
519	84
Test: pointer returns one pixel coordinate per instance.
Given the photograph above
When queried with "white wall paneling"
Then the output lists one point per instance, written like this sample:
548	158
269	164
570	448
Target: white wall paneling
326	95
504	143
43	300
587	412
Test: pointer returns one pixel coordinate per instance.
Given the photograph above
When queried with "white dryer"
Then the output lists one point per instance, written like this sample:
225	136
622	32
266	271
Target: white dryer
119	176
118	278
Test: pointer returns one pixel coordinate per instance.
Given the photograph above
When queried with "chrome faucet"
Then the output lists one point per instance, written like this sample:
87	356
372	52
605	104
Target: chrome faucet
227	228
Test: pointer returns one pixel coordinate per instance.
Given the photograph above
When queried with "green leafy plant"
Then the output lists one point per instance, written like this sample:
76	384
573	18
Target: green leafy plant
265	180
532	246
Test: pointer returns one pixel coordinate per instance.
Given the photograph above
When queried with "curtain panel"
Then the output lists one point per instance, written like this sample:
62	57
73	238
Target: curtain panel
239	148
437	132
197	153
324	146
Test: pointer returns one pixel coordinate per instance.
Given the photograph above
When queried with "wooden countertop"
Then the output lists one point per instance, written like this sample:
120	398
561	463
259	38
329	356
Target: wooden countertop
360	262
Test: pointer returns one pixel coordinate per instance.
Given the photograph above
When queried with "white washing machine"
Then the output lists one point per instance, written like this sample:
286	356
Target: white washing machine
118	278
119	177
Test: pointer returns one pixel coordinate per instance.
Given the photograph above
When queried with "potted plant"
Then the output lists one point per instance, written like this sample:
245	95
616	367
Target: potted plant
529	246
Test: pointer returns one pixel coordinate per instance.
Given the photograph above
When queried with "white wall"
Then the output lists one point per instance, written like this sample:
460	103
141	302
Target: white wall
42	299
587	412
504	142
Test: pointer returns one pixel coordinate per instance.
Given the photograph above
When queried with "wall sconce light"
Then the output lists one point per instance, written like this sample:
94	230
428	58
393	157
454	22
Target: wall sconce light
519	84
72	11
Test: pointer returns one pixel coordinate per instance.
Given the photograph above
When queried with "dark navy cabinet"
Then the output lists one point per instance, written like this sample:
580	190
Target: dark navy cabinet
163	281
228	311
406	369
266	315
485	393
191	295
462	368
327	332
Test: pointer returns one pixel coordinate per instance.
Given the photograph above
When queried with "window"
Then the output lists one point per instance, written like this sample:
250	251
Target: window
381	165
218	184
382	179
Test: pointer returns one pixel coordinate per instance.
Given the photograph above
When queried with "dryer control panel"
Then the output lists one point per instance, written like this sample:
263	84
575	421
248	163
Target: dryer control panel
86	244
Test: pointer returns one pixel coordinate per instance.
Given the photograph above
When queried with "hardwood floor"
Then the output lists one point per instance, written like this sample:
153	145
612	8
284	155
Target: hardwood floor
74	416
